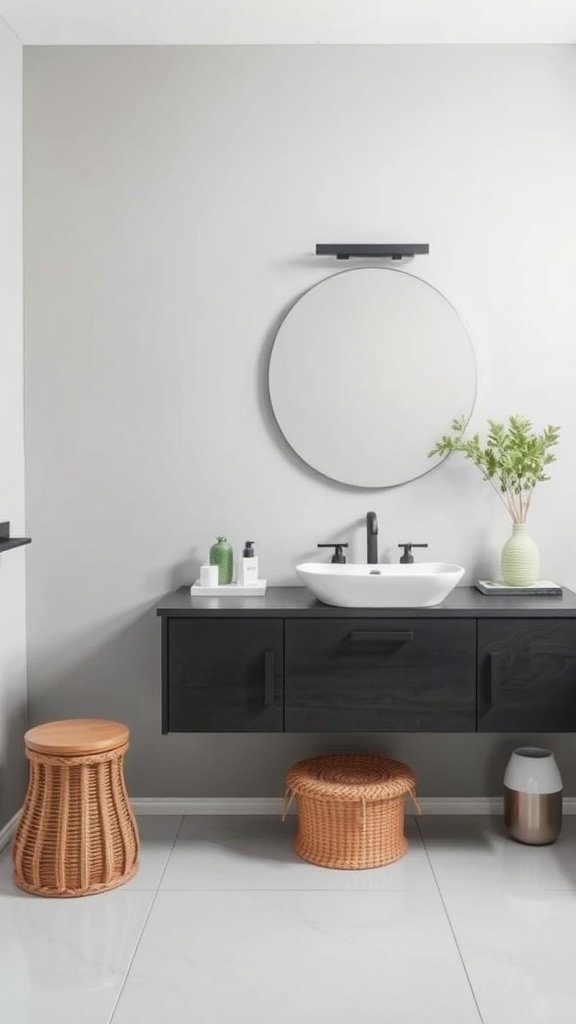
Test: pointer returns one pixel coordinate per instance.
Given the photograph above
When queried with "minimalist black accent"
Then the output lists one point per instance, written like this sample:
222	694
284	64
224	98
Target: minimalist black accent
338	557
371	538
493	681
269	677
248	551
298	603
394	251
526	676
425	684
286	662
407	558
380	636
7	542
165	673
224	676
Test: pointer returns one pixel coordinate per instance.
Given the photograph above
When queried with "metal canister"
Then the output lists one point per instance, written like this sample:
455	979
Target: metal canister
533	796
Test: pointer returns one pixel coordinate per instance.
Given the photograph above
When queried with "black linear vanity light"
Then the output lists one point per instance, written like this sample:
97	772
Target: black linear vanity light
395	252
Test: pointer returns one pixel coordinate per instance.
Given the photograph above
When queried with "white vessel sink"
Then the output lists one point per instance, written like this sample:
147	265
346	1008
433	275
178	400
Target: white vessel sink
380	586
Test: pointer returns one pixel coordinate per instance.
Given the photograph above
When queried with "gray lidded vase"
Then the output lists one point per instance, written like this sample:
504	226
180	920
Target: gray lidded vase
533	796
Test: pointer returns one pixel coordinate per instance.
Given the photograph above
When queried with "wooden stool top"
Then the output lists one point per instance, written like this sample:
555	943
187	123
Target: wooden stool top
77	736
350	777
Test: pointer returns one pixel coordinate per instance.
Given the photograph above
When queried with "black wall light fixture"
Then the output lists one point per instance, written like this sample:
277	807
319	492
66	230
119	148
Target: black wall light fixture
395	252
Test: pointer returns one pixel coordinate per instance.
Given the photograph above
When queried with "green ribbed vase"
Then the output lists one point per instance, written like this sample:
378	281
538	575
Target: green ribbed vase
520	559
222	556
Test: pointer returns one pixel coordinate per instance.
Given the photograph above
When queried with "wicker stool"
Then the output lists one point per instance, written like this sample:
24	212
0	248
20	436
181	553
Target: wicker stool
77	834
350	809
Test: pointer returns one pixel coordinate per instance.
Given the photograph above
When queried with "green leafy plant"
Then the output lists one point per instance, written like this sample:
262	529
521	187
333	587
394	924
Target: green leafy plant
513	458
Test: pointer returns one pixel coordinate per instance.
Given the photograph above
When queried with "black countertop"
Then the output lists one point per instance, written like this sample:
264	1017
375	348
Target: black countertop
299	603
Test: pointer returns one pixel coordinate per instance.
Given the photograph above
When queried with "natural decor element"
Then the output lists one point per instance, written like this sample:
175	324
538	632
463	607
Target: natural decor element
513	459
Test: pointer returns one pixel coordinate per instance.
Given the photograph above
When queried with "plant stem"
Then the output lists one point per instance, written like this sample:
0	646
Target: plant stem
513	509
529	501
505	500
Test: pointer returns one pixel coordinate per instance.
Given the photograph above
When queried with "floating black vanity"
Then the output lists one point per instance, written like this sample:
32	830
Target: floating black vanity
286	663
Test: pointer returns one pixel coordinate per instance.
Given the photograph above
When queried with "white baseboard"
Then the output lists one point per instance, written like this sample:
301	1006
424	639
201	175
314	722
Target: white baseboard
7	832
275	805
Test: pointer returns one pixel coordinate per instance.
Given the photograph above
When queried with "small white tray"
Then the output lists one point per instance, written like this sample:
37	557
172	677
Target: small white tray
229	590
499	589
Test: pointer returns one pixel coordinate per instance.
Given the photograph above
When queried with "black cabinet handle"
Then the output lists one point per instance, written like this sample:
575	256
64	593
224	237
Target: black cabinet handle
370	636
493	684
268	679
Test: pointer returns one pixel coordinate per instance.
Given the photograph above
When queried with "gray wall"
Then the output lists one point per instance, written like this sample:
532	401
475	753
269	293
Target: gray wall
12	578
173	200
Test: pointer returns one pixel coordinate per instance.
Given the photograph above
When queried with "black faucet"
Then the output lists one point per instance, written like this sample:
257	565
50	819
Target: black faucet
408	558
339	558
372	538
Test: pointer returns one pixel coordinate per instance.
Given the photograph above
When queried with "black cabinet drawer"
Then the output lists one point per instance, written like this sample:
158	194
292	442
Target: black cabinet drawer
393	675
526	675
223	675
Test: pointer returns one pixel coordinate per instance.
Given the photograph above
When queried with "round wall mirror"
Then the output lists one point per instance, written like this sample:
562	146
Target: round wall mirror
367	371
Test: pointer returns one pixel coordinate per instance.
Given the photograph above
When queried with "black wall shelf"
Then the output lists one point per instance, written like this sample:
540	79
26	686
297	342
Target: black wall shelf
394	251
7	542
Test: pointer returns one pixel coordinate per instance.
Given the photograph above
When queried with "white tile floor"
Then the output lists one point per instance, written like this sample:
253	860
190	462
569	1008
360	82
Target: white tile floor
225	925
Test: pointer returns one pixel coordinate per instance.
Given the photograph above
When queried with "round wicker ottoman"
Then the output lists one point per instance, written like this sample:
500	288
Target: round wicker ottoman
77	834
350	809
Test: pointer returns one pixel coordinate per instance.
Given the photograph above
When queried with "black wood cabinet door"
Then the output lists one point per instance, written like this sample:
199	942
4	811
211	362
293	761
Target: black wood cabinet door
223	675
368	675
526	675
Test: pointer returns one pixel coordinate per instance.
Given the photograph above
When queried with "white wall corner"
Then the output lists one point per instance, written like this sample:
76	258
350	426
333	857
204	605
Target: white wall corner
13	683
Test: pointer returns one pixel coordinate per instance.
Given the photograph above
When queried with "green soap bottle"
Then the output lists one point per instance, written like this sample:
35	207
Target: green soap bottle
221	555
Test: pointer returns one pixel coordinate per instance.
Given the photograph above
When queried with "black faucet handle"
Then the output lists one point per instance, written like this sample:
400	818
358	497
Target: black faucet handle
338	557
407	558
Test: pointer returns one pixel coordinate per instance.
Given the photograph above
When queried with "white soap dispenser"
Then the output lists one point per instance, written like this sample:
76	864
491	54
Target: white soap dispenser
248	569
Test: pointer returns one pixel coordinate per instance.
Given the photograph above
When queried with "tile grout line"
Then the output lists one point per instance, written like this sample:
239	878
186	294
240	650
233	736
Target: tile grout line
145	922
344	892
450	925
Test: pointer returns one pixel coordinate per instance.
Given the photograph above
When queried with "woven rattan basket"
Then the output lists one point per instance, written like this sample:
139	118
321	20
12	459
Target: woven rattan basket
350	809
77	834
